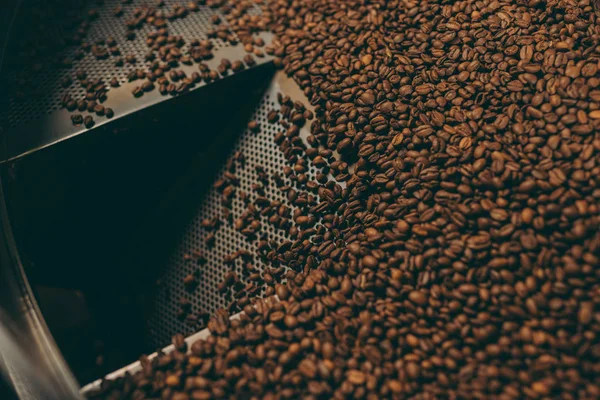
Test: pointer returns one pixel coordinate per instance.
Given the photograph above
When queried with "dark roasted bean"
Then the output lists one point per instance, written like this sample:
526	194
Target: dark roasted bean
440	207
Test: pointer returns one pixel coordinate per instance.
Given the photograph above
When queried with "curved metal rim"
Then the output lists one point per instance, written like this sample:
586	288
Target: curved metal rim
64	385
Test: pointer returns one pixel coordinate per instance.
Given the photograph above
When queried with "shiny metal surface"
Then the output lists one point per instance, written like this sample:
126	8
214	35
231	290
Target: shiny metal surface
29	356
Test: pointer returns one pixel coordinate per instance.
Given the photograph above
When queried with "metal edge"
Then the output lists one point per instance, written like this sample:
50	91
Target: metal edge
38	346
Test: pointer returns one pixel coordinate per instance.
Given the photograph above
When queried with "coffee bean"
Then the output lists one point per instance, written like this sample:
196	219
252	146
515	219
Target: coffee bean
249	60
137	91
440	213
81	105
307	368
99	110
254	126
290	321
418	297
594	114
272	116
76	119
586	311
71	105
356	377
88	121
237	66
367	98
147	86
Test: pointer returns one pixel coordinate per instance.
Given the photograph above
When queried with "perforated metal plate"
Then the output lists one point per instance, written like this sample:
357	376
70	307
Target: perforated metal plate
32	89
259	149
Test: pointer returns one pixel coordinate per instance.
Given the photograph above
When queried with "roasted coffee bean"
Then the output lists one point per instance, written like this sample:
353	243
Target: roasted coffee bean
148	86
237	66
138	91
190	281
99	110
254	126
273	116
71	105
88	121
81	105
91	104
441	212
76	119
249	60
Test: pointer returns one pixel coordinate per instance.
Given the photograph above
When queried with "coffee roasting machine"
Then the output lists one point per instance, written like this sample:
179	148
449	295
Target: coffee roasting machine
424	225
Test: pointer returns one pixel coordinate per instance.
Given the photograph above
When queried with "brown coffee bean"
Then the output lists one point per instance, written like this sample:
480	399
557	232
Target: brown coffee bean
237	66
71	105
147	86
99	110
438	215
366	99
272	116
594	114
76	119
586	311
370	261
290	321
137	91
356	377
88	121
254	126
308	368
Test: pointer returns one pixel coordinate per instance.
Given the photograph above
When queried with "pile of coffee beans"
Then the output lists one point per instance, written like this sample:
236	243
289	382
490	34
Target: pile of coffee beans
450	245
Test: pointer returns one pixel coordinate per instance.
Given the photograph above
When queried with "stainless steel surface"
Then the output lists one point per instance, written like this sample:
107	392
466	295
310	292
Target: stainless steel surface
36	122
28	354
